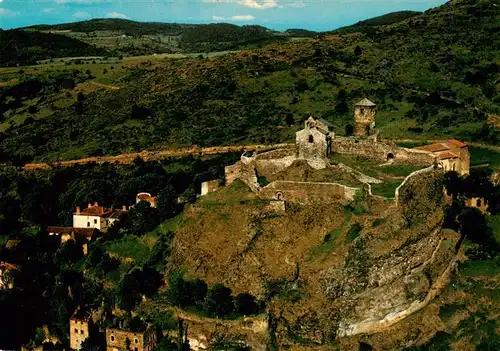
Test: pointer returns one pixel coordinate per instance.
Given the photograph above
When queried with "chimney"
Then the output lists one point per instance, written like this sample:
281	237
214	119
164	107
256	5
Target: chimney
124	208
90	205
78	209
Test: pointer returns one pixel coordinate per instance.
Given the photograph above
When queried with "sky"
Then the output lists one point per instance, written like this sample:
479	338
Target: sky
276	14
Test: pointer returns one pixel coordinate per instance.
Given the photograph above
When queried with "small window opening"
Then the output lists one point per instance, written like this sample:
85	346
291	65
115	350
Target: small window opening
311	139
478	203
390	156
112	338
88	224
95	221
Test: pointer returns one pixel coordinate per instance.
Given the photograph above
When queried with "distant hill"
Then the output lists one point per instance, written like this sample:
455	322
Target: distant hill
390	18
127	27
151	37
24	47
428	78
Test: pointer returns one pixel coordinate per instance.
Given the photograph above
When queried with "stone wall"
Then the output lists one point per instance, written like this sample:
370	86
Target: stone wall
381	151
307	192
243	171
116	339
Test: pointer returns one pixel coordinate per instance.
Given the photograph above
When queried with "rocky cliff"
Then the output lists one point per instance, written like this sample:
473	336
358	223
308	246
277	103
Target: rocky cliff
326	272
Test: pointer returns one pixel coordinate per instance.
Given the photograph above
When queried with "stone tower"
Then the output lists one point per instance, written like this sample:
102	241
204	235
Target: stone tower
364	117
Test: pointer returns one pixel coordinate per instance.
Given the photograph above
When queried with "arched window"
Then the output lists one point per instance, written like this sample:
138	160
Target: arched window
478	202
279	196
311	139
362	110
112	338
390	156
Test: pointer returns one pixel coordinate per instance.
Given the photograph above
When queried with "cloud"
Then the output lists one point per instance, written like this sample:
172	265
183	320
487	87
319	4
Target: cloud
81	14
117	15
87	2
5	12
236	18
254	4
48	10
297	4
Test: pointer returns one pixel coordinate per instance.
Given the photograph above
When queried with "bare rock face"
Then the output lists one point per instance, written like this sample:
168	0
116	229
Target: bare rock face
319	280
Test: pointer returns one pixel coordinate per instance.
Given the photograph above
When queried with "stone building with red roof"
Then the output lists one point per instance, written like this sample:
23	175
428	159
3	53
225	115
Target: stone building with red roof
452	155
94	216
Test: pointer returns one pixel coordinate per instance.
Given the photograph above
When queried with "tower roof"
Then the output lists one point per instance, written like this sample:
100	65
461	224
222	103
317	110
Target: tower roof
365	102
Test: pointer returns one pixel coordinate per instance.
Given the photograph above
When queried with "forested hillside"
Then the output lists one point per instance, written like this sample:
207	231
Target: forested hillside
369	24
128	27
443	86
18	47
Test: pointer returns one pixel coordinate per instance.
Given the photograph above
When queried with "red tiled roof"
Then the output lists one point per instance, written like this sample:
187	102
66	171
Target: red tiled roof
433	147
146	197
12	243
9	266
94	210
447	155
457	143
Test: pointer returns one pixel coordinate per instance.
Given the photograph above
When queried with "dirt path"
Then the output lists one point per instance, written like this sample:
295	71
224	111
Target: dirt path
154	155
112	87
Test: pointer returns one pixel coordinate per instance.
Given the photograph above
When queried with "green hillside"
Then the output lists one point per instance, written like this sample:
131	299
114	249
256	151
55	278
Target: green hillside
443	86
389	18
18	47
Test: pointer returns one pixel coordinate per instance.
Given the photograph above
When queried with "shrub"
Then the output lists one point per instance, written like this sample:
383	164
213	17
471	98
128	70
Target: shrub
218	302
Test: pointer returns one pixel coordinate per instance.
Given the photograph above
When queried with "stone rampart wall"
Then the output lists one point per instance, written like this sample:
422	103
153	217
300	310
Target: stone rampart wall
308	192
381	150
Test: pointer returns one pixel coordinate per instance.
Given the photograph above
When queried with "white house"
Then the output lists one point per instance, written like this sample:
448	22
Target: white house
94	216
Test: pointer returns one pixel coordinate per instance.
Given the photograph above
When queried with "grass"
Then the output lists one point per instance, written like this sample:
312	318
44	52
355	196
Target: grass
480	268
353	232
399	170
482	155
330	241
130	247
386	189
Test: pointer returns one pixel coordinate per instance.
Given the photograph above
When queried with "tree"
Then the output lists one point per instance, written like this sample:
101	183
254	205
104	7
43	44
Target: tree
129	290
218	301
167	202
474	227
244	304
69	252
349	129
104	71
358	51
80	97
32	110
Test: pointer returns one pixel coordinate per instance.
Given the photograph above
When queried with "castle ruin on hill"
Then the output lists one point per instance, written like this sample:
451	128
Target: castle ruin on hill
304	173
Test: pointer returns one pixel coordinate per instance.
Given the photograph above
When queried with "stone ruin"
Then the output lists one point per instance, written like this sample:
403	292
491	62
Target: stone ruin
314	145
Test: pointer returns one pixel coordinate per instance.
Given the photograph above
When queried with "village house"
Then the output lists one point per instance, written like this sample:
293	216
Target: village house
452	155
7	272
153	201
143	339
477	202
209	186
94	216
80	325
